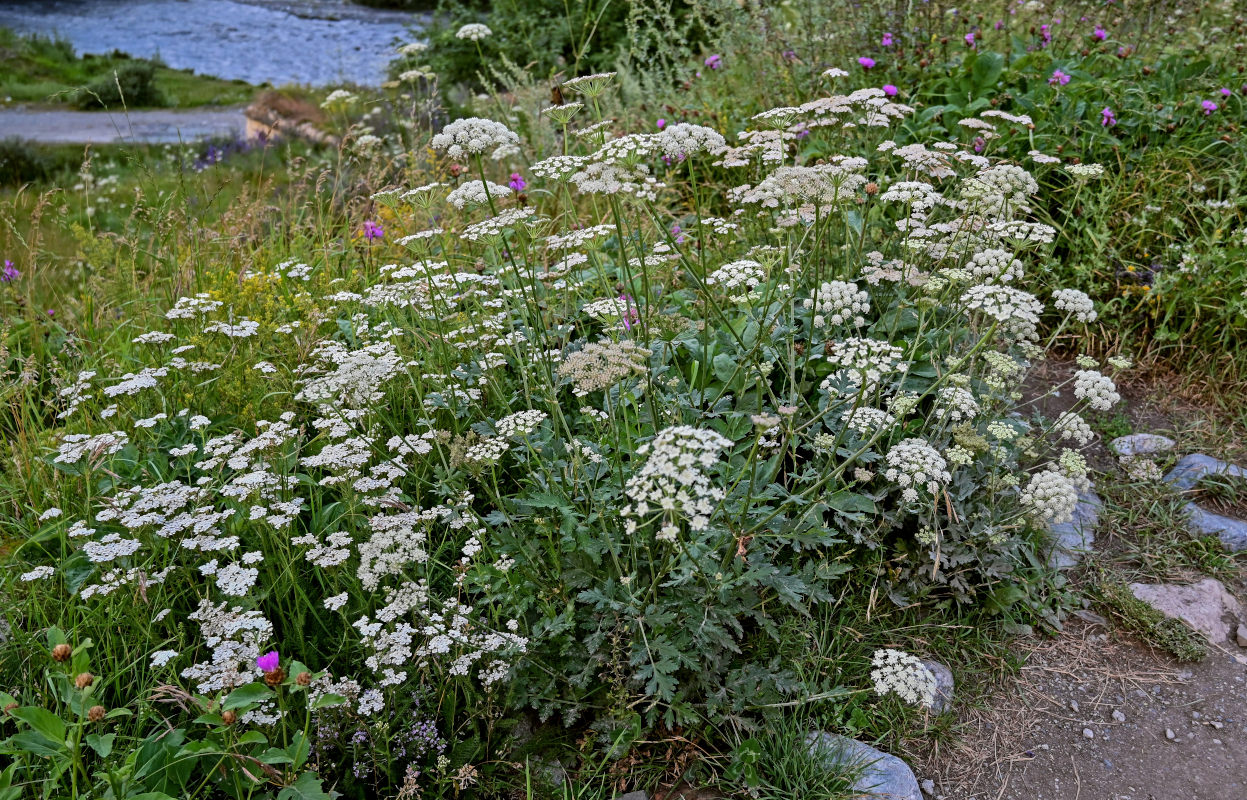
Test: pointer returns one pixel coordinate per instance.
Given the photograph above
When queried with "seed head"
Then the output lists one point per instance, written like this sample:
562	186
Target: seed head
96	713
304	678
84	680
229	717
61	653
274	677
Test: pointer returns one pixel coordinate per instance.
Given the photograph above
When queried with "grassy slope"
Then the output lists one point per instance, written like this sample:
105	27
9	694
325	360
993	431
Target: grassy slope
39	70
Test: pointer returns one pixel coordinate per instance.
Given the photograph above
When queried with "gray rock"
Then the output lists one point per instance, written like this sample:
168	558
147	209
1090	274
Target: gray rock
1240	635
1142	444
1191	468
1232	532
928	786
883	776
1200	605
943	686
1072	540
633	796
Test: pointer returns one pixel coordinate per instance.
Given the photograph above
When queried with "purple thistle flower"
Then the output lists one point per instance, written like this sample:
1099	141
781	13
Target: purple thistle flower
890	90
1107	118
372	230
970	39
1208	107
1099	33
269	661
714	61
886	41
677	233
517	182
1225	92
662	123
10	273
866	61
1058	78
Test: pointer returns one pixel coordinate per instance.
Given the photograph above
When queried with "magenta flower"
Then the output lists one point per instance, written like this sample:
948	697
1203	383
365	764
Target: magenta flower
1225	92
517	182
866	61
1107	118
678	233
372	230
269	661
886	41
1208	107
1045	31
10	273
1058	78
1099	33
979	144
970	39
890	90
1000	23
630	315
714	62
662	123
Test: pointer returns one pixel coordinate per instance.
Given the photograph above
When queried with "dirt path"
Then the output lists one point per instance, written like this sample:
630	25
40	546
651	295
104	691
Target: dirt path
56	126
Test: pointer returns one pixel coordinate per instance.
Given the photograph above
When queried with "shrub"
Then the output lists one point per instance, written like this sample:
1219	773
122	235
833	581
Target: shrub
133	85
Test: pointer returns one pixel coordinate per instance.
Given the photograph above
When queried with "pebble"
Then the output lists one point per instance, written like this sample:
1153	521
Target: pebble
1118	716
1073	704
1088	733
1169	734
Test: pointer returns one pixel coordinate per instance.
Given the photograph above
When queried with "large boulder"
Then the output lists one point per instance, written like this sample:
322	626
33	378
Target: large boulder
883	776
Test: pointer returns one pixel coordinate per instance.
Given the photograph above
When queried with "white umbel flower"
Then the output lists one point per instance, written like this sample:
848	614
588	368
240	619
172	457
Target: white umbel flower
472	136
1097	389
897	672
914	464
1076	303
474	32
1051	497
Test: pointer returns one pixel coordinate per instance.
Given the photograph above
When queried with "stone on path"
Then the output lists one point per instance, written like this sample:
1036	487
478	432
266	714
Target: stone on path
1232	532
633	796
1142	444
1192	468
943	686
1240	635
1200	605
884	776
1072	540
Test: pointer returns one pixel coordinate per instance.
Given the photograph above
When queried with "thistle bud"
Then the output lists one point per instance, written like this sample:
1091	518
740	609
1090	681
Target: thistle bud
872	188
229	717
61	653
84	680
304	678
274	677
96	713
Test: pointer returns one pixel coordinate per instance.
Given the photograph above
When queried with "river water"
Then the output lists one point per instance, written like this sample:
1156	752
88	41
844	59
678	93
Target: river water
312	42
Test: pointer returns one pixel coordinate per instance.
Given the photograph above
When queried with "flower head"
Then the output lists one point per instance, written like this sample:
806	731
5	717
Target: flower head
372	230
1107	118
10	273
1208	107
517	182
1058	78
269	661
1099	33
890	90
714	61
866	61
886	41
474	32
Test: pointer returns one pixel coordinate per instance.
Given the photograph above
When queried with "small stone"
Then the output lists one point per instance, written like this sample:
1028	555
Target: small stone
1118	716
944	685
1073	704
1169	734
1200	605
1142	444
1190	469
638	795
1087	733
928	786
1240	635
884	774
1216	741
1196	715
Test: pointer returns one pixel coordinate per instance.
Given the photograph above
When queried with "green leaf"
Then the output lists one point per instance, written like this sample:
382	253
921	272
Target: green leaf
102	745
43	721
850	502
246	695
987	70
328	700
307	787
37	744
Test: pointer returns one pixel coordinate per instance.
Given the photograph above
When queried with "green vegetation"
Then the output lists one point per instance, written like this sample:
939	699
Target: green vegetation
519	451
35	69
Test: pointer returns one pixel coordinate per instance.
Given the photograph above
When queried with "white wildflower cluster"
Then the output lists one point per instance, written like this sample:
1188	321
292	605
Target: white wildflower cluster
521	423
472	136
236	637
867	421
955	404
455	630
900	673
1070	426
474	32
838	303
1051	496
1016	311
673	482
743	274
1074	303
863	363
1097	389
74	394
1000	190
1085	172
487	451
993	266
77	445
476	193
684	139
914	464
338	377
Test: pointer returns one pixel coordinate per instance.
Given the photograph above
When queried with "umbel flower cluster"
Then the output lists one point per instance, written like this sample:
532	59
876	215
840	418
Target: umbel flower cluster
551	452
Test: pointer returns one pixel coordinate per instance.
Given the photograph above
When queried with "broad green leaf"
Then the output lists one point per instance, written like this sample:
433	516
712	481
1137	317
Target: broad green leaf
246	695
307	787
43	721
102	745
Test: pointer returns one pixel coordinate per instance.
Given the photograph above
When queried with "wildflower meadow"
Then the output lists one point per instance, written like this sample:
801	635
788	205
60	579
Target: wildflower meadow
562	433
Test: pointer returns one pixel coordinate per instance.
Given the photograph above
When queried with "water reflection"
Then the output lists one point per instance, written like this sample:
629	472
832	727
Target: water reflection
314	42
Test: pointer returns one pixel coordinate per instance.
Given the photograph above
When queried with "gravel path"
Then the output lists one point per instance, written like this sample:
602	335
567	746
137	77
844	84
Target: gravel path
161	126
